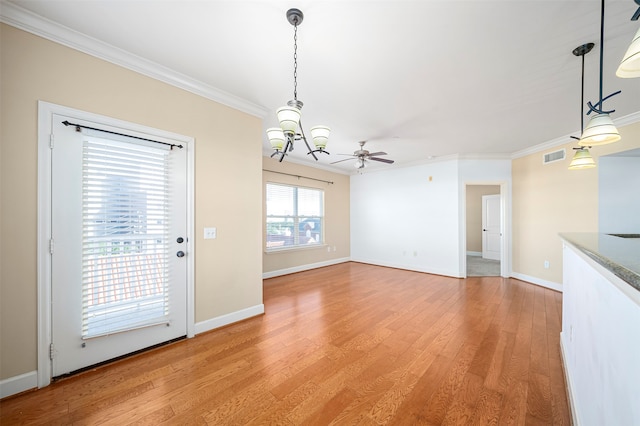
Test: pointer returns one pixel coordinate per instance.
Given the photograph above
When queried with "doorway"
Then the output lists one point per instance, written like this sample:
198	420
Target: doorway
115	240
483	230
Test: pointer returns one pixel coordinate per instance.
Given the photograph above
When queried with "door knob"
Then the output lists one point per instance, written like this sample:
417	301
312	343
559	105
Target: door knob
180	253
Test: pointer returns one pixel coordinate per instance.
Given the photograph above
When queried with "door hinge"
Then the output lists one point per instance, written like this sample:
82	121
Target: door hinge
51	139
50	245
51	351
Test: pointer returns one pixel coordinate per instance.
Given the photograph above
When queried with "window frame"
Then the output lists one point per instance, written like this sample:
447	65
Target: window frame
296	219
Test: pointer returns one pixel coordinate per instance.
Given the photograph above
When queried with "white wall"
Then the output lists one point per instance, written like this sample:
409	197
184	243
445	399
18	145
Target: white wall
407	218
618	200
413	217
600	343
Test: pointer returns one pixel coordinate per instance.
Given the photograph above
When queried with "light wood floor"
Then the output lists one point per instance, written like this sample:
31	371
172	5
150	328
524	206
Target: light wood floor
345	344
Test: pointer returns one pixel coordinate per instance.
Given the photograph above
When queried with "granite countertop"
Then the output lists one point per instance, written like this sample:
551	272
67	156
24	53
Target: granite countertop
618	254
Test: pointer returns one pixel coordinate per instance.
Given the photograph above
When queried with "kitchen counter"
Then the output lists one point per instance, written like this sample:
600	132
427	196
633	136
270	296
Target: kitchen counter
619	255
600	338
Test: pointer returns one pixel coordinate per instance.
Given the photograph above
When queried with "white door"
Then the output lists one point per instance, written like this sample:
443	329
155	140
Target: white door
118	215
491	236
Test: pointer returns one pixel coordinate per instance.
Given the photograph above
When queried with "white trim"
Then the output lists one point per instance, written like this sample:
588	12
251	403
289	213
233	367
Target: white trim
301	268
434	271
230	318
569	384
45	128
474	253
16	384
26	20
537	281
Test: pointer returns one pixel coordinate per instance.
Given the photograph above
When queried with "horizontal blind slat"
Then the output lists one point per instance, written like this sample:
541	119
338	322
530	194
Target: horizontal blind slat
125	214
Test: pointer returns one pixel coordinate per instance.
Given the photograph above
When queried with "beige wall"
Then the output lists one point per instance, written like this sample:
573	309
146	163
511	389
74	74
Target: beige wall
550	199
228	178
474	213
336	202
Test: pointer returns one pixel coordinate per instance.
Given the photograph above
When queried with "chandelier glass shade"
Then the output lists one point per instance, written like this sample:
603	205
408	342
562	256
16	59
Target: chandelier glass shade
290	130
582	159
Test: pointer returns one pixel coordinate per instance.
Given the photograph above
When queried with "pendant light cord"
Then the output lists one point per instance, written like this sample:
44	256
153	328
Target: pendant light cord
601	51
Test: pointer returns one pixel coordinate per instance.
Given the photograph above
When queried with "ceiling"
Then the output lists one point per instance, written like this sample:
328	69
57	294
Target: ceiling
416	79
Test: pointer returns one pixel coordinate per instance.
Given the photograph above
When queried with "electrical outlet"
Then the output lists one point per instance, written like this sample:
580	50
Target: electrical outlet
210	233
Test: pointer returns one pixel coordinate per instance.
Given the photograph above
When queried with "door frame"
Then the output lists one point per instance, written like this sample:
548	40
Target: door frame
505	227
45	123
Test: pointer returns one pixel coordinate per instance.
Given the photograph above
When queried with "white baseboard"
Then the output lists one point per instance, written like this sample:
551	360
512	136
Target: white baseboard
301	268
227	319
537	281
474	253
435	271
567	378
17	384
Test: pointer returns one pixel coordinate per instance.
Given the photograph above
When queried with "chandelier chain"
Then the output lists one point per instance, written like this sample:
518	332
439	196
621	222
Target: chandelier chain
295	62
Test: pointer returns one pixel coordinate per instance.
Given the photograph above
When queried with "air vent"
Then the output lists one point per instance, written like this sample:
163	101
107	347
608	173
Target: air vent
552	157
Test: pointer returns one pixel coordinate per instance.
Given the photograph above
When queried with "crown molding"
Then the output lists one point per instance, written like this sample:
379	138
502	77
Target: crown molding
25	20
554	143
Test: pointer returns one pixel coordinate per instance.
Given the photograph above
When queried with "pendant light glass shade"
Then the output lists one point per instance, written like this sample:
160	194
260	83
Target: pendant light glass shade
360	163
630	65
599	131
289	117
320	136
582	159
276	138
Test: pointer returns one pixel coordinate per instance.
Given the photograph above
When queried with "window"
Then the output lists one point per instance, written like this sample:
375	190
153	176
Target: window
294	216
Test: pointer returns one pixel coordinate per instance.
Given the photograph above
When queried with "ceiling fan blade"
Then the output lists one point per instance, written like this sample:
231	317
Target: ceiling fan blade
340	161
383	160
373	154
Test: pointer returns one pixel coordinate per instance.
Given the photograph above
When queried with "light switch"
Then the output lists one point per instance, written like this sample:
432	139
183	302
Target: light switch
209	233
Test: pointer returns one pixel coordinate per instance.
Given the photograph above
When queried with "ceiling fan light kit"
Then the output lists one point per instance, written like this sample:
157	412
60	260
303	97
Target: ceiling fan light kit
600	130
630	65
282	139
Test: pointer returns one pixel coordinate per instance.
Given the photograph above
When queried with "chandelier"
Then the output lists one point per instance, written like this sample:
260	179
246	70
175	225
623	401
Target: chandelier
290	130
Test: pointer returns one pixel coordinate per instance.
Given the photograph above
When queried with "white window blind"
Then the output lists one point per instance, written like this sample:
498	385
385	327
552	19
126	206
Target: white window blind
295	216
125	251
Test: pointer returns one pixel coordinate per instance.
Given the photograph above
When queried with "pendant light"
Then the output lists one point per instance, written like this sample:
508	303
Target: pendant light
630	65
600	130
283	137
582	159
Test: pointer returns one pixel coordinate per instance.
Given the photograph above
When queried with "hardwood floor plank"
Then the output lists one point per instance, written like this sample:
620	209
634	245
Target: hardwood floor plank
464	401
345	344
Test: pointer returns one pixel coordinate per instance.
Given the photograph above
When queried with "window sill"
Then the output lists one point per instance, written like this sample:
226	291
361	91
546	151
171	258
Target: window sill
276	250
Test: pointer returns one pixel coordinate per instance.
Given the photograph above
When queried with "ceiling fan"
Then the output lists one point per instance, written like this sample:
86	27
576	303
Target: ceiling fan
362	156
